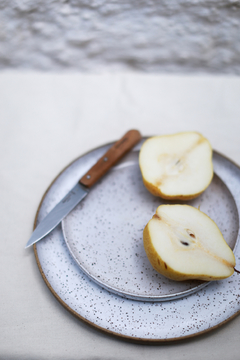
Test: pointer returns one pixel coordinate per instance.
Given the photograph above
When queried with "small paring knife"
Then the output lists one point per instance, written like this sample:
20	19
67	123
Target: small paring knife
81	189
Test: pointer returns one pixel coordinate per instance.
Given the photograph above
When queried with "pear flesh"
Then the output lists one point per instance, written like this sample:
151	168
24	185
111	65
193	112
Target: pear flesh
176	166
183	243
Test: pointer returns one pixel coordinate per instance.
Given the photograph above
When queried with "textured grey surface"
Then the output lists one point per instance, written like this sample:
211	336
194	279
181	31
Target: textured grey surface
100	35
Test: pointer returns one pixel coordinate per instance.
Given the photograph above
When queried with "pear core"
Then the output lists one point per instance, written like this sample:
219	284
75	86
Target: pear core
183	243
176	166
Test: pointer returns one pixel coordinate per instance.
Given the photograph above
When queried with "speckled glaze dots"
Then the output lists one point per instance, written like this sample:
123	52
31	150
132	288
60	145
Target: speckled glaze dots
99	270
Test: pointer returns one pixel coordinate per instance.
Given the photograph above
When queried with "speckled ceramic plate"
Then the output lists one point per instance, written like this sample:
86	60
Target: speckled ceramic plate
144	321
104	233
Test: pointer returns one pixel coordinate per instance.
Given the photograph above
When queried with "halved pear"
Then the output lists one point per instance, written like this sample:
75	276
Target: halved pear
176	166
182	243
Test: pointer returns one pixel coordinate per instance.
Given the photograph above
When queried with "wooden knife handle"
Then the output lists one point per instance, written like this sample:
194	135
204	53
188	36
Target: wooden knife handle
115	153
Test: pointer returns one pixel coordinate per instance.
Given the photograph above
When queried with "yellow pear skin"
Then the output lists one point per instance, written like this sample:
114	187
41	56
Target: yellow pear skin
183	243
177	166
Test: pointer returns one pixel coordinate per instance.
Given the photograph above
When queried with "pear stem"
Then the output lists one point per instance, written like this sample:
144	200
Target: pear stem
237	271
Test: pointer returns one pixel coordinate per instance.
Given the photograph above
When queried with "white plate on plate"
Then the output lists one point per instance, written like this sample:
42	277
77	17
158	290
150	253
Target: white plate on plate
145	321
104	233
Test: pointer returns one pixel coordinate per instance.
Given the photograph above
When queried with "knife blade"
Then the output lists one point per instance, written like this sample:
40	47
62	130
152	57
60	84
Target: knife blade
81	189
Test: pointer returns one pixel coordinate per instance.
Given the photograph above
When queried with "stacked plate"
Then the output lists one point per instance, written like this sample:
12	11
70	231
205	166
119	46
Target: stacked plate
95	264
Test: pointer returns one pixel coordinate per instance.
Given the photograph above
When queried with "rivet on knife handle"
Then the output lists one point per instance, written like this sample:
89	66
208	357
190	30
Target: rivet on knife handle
115	153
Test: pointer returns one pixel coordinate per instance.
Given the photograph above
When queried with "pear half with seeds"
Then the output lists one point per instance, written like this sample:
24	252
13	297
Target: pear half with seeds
182	243
176	166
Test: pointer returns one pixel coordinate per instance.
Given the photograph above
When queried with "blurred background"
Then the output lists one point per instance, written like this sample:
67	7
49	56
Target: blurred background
173	36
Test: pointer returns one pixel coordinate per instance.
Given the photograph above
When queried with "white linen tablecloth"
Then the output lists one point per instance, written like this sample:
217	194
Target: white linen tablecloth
47	120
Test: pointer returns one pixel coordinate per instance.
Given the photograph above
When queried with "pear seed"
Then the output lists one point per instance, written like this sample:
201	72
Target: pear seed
191	234
184	243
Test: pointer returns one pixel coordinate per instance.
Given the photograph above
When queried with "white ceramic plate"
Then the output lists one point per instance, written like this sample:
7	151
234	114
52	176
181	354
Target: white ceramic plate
104	233
145	321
